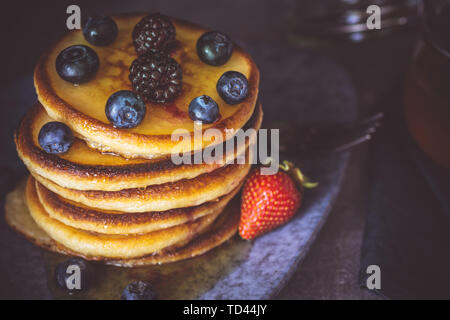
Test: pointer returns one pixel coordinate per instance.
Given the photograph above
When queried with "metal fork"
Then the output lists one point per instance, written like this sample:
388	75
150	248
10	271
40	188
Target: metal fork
318	140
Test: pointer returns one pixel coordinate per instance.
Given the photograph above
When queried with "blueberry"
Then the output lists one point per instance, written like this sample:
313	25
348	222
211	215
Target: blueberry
214	48
67	272
139	290
77	64
204	109
232	87
55	137
100	30
124	109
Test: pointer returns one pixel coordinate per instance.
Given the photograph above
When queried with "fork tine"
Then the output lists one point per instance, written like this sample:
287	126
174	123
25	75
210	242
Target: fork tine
318	140
349	133
340	142
347	128
376	118
354	137
353	143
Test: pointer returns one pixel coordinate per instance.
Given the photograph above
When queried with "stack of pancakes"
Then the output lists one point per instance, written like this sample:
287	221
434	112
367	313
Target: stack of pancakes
116	195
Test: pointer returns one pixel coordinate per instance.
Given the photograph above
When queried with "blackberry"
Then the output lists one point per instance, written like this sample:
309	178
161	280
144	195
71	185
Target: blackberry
156	77
153	33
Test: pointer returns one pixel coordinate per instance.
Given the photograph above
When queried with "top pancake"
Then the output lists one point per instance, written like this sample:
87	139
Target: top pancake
82	107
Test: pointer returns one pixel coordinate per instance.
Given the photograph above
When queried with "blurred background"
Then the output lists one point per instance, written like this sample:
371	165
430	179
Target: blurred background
376	63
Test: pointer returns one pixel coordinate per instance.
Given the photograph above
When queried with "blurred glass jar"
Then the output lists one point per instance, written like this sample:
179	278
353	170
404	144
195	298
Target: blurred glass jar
317	22
427	89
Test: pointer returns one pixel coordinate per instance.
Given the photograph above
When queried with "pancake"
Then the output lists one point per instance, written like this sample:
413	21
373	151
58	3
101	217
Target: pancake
82	107
113	222
83	168
110	245
225	226
183	193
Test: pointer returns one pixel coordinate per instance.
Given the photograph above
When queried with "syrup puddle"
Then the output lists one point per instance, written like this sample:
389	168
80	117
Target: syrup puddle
187	279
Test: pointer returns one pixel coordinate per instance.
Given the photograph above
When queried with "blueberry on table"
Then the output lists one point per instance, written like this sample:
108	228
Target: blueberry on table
100	30
124	109
232	87
55	137
204	109
77	64
214	48
139	290
74	275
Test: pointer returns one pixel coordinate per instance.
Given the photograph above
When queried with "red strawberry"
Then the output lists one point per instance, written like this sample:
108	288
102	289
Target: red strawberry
269	201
